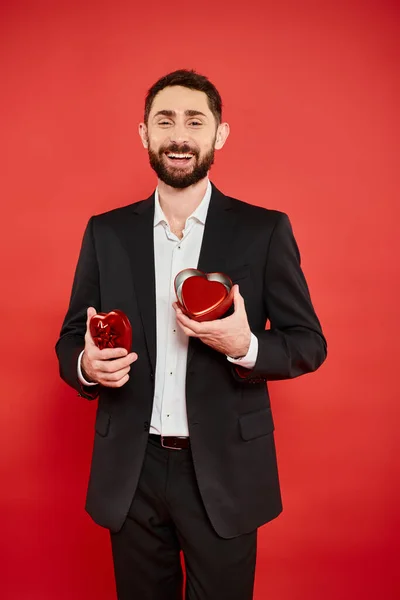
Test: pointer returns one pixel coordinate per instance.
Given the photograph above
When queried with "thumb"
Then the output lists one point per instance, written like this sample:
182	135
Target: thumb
237	298
90	313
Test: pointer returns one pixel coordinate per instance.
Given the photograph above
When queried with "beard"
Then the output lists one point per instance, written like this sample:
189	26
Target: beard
181	177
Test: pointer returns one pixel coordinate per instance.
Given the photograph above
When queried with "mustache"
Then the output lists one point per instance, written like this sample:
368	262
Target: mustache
183	149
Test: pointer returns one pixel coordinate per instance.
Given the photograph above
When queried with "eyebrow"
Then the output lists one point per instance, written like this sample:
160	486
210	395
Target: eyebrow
172	113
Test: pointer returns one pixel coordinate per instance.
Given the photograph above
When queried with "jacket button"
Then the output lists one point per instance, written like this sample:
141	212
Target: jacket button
151	375
146	426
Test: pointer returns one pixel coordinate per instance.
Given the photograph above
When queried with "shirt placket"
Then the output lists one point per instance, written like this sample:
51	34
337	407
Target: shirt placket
169	399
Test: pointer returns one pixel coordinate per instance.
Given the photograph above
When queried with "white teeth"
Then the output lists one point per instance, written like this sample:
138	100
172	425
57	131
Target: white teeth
173	155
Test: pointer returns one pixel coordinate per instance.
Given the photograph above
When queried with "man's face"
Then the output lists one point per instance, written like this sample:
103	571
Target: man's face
180	136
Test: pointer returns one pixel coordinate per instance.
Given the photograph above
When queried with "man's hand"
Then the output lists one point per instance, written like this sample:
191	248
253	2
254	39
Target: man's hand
231	335
97	365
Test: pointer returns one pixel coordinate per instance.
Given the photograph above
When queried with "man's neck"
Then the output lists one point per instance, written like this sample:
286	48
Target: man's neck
178	204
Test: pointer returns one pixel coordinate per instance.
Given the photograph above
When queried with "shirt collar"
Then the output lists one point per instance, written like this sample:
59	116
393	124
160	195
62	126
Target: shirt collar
200	214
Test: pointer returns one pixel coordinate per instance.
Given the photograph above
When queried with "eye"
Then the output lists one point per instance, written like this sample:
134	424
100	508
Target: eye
164	122
195	123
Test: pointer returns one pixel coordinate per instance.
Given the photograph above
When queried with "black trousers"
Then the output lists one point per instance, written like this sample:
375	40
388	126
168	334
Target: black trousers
166	516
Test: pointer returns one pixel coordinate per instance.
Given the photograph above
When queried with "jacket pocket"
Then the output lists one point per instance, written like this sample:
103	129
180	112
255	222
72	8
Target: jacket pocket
102	424
256	424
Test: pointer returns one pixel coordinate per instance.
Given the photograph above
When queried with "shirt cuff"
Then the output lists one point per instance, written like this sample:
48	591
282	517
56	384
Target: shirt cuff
80	376
249	360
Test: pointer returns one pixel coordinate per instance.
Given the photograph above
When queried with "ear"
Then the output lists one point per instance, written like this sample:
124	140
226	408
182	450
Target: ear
222	134
144	134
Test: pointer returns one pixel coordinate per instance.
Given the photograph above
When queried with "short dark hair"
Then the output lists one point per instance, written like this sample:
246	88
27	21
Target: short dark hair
192	80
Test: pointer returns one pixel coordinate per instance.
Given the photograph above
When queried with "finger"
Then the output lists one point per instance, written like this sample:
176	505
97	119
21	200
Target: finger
113	366
238	301
179	311
114	377
191	324
196	326
106	353
90	312
205	328
187	331
116	384
239	307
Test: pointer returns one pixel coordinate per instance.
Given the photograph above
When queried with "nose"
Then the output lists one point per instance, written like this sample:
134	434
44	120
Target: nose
179	133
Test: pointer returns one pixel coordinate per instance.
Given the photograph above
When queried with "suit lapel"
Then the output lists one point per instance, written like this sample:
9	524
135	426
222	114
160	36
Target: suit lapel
218	232
218	238
137	232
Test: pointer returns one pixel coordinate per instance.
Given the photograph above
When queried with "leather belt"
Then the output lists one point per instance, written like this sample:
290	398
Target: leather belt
172	442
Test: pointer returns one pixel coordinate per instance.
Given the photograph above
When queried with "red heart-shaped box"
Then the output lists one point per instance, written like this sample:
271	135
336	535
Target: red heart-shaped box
203	296
111	330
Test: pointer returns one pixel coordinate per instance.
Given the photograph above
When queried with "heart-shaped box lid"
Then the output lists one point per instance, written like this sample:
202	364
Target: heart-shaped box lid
111	330
203	296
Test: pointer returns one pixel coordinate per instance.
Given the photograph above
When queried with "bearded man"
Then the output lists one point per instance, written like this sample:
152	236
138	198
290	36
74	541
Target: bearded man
184	456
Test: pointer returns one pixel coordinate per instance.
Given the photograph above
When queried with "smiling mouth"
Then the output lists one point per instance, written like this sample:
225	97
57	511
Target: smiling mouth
179	158
179	155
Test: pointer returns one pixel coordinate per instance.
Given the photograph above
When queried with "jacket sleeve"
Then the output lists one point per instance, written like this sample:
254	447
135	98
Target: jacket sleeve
294	344
85	292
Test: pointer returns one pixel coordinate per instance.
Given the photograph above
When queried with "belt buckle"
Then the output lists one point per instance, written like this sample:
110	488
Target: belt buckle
169	447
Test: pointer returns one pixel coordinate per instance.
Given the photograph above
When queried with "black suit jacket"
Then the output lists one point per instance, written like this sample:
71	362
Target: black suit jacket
230	421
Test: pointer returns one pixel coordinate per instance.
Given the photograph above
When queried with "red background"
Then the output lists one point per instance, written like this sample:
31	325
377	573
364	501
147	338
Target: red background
310	93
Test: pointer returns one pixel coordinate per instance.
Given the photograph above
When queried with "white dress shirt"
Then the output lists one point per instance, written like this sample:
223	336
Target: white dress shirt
172	255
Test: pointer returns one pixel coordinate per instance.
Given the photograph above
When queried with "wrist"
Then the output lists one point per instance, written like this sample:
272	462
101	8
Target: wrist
243	350
84	370
249	360
237	357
